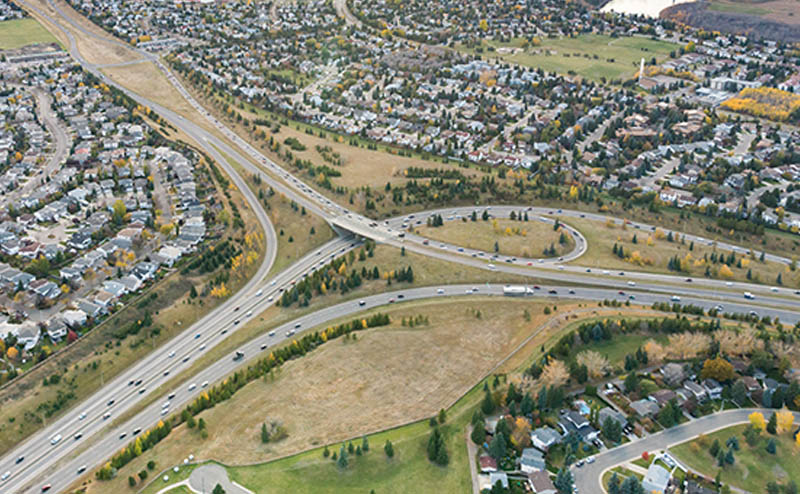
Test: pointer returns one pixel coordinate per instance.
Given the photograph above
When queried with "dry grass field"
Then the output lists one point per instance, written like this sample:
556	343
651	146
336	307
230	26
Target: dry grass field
104	50
146	79
387	377
601	239
785	11
514	238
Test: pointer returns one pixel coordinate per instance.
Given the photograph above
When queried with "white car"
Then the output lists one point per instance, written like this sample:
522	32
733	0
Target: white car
55	439
171	354
82	416
205	383
259	293
192	387
440	291
5	476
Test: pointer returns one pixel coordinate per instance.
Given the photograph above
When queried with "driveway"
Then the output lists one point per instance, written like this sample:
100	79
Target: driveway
205	477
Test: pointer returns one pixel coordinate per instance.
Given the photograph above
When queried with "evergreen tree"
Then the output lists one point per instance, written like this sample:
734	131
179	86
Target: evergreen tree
498	446
632	485
487	405
478	435
772	425
714	449
564	481
614	484
342	461
388	449
771	446
264	433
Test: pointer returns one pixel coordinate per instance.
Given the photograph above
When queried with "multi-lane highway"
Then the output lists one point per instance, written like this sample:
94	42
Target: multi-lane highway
73	429
44	462
125	392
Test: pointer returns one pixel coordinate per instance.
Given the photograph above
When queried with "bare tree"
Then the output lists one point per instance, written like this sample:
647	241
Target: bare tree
555	373
596	363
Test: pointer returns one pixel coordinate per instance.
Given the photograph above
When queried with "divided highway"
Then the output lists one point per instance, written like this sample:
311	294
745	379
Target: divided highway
114	439
58	463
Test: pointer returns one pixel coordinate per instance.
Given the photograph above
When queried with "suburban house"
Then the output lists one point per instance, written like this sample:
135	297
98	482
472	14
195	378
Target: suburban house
673	373
713	388
540	483
656	480
751	384
695	390
74	318
545	437
532	460
28	335
663	396
488	464
496	477
645	407
610	413
573	421
56	329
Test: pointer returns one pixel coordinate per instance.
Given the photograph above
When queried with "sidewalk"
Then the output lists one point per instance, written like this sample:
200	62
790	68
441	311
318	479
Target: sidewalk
472	454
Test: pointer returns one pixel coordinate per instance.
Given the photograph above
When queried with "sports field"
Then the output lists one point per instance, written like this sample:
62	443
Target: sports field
17	33
591	56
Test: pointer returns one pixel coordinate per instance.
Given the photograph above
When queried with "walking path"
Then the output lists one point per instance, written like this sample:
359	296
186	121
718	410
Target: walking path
472	454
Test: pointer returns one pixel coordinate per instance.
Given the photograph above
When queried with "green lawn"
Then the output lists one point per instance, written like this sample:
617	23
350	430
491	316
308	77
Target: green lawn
408	471
619	346
591	56
738	8
754	467
21	32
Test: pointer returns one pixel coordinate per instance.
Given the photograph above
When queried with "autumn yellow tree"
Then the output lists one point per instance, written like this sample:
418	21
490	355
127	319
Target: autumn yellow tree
520	433
717	368
785	420
655	351
757	421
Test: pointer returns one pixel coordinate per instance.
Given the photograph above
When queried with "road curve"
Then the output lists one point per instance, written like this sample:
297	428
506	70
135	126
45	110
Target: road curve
588	478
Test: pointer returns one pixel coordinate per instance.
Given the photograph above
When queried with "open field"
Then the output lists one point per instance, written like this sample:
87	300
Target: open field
737	7
514	238
784	11
753	468
601	239
427	272
359	166
145	78
97	49
590	56
387	377
17	33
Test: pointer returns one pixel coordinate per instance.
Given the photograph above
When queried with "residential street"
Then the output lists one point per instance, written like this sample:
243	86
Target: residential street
588	478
